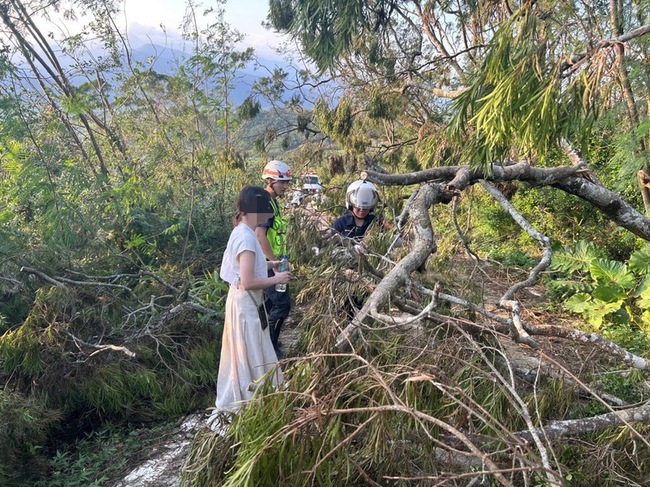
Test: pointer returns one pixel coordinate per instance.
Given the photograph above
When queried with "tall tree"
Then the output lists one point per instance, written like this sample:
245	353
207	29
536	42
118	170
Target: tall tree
529	73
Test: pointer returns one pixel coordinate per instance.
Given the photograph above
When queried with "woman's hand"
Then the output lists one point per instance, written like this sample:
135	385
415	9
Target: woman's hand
282	277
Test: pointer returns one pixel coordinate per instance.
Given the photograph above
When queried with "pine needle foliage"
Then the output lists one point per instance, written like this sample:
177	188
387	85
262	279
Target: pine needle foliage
324	34
611	458
339	124
388	412
396	409
48	350
210	457
342	419
517	104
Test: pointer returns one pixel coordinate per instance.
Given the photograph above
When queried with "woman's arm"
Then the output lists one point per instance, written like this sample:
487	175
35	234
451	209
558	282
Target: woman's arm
247	276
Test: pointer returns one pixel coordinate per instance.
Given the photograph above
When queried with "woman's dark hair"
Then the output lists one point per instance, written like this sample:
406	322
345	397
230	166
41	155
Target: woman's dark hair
252	199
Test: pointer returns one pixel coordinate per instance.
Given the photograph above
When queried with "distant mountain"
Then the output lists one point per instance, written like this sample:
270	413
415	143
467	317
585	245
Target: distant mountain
165	60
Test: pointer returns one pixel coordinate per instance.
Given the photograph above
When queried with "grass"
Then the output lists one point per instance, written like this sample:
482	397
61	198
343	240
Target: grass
100	456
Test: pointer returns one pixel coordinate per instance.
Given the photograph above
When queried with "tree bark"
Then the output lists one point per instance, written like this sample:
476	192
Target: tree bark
424	246
559	429
575	179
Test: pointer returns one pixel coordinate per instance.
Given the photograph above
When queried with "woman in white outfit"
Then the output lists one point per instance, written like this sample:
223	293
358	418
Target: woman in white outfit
246	351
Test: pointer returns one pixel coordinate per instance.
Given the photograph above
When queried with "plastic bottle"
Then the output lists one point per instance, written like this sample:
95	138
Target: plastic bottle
283	266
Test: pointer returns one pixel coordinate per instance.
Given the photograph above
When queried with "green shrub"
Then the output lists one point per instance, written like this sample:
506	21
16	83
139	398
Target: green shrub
26	423
91	460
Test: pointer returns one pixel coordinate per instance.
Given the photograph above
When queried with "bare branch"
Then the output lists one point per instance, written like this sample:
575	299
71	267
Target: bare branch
626	357
543	240
575	179
459	177
45	277
506	300
524	411
603	44
101	348
61	281
559	429
461	235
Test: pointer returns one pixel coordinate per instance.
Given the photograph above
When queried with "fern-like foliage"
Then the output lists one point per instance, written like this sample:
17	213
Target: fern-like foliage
611	273
639	262
643	293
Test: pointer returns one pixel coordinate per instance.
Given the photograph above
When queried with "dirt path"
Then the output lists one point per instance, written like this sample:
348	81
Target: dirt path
162	465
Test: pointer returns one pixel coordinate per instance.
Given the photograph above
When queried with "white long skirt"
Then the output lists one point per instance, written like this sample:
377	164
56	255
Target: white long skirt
246	351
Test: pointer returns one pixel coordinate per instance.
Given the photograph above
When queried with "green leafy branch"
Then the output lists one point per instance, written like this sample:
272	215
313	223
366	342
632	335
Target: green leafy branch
518	100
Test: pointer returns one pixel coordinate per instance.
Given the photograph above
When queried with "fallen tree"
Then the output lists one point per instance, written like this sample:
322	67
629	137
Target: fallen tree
392	286
420	372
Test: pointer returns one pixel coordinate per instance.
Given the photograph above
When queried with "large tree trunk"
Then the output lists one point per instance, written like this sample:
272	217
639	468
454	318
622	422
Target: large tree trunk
575	179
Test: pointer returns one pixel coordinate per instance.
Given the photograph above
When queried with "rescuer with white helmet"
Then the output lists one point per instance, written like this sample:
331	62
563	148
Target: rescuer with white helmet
277	171
361	198
361	194
272	238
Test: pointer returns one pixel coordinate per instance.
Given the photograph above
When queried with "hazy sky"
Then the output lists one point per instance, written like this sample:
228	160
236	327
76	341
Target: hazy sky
143	18
159	21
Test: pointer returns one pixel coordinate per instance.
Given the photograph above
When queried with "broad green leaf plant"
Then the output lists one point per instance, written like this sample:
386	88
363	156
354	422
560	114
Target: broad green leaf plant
604	291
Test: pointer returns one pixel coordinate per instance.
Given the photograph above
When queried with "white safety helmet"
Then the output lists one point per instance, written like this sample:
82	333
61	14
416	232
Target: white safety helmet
277	170
361	194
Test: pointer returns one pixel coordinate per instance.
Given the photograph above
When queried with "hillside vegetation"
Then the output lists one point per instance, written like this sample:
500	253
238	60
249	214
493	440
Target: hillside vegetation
505	342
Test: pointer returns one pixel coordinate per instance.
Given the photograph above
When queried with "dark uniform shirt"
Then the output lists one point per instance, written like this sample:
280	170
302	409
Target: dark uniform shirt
346	226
